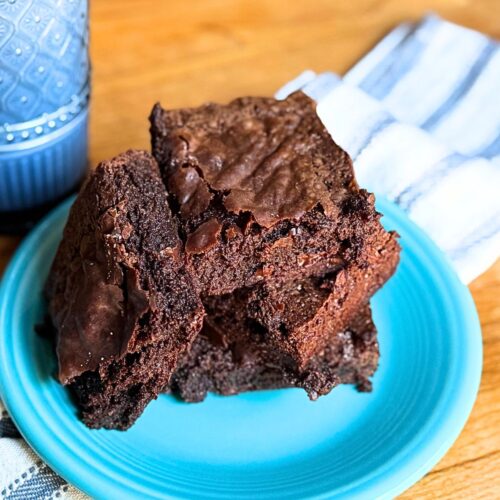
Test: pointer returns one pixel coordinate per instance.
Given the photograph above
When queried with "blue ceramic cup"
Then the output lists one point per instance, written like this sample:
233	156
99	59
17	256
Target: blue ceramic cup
44	93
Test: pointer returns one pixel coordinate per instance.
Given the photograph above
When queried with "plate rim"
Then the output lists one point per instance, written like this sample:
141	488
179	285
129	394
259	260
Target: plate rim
433	449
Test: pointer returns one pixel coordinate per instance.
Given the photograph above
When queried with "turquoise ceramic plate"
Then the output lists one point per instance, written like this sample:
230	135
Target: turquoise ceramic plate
274	444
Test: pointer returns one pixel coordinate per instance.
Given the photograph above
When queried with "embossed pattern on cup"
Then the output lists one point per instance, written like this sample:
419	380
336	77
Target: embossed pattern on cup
44	87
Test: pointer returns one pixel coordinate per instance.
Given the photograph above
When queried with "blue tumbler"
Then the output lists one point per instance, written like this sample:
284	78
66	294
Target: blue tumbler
44	94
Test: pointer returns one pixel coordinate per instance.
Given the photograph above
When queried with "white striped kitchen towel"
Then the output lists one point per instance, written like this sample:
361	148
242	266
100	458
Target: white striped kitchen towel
23	475
420	115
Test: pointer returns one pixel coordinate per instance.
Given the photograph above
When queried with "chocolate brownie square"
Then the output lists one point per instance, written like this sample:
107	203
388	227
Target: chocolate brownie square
121	301
263	193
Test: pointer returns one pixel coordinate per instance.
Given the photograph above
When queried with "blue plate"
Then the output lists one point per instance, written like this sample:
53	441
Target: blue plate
274	444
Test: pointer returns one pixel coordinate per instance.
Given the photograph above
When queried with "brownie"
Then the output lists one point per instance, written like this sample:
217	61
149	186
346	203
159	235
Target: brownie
228	358
263	193
124	307
296	318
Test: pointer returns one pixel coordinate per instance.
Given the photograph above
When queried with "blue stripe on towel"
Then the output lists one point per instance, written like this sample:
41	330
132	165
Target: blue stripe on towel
398	62
385	121
42	484
492	149
410	195
464	86
488	229
14	484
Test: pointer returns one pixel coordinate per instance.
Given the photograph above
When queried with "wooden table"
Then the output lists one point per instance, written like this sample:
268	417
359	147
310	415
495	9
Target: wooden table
184	53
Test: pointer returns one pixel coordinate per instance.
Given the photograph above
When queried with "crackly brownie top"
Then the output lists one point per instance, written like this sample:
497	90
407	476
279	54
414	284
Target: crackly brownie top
120	247
272	159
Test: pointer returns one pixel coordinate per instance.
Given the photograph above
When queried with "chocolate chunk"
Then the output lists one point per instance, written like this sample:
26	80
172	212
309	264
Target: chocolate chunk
190	190
204	238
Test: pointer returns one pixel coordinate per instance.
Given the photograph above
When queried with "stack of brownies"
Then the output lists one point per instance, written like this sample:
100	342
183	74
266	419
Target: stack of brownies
241	255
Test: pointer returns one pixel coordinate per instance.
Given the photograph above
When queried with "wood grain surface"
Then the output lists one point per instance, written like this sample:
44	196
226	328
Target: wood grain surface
185	53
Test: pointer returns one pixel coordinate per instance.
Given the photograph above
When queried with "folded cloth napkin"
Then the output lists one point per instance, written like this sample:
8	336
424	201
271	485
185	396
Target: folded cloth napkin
420	116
